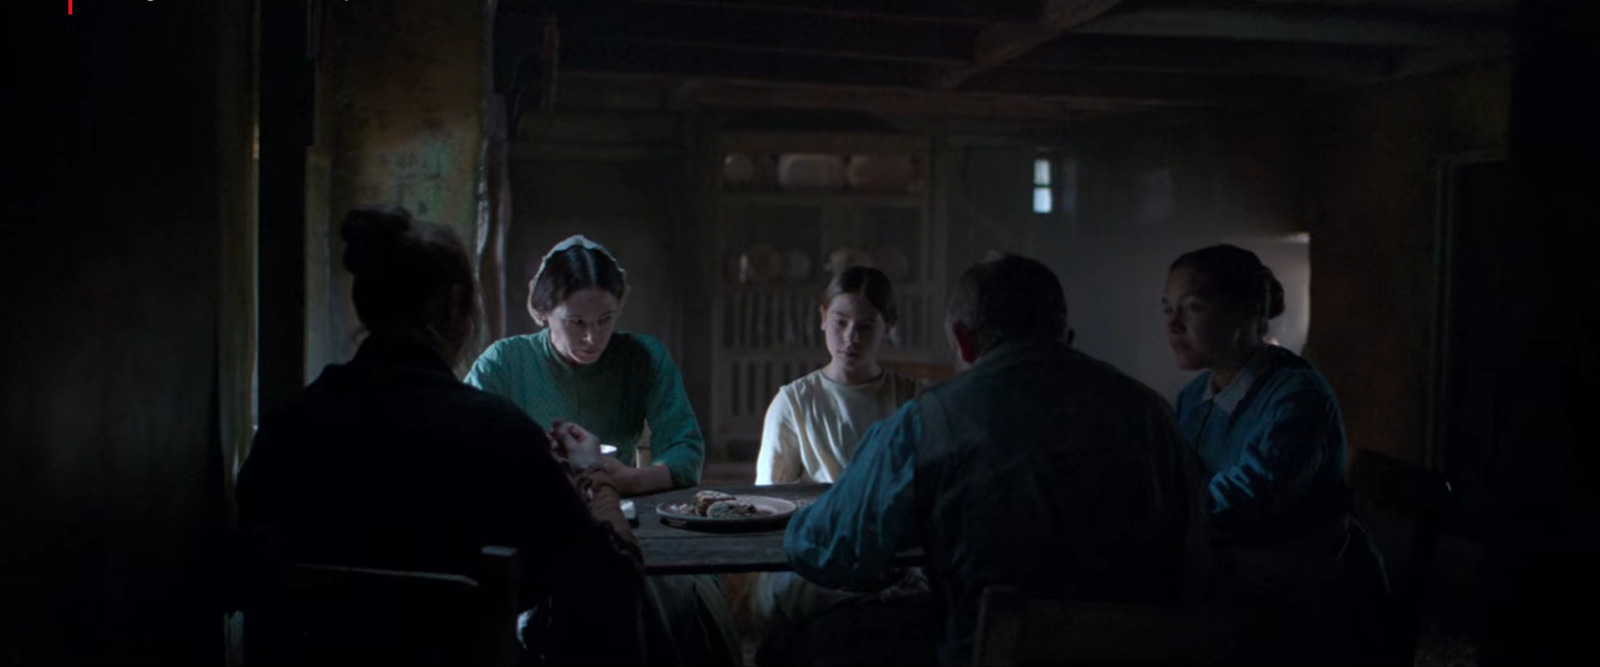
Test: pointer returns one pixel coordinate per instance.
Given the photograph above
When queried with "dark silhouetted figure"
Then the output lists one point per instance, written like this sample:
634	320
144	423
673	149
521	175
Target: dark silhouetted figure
389	461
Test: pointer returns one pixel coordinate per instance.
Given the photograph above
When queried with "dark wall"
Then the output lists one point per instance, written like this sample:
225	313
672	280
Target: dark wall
1372	192
110	451
401	94
628	206
1149	187
1545	539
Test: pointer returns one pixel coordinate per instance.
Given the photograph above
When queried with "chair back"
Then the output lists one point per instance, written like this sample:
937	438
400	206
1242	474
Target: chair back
1014	629
1401	505
303	612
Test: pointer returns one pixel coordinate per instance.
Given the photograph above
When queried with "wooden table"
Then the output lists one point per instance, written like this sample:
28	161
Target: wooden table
670	550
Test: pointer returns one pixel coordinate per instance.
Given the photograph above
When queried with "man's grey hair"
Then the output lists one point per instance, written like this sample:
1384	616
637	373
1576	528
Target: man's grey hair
1007	297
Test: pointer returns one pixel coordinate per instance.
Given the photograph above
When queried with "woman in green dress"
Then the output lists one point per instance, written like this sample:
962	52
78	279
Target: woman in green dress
579	369
579	374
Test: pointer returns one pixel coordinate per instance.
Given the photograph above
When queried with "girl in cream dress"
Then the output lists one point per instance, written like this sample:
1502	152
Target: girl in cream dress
813	424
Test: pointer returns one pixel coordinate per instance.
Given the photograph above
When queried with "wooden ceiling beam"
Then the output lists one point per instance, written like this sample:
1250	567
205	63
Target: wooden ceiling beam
922	11
904	101
1504	7
825	74
1436	60
891	103
1309	23
1340	63
1001	43
1144	87
682	60
750	31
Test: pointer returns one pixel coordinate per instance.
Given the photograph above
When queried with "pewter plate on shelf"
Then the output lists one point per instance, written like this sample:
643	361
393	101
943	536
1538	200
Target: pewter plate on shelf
759	264
844	258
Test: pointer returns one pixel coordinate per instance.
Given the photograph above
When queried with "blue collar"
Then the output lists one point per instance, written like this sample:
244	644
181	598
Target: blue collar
1228	399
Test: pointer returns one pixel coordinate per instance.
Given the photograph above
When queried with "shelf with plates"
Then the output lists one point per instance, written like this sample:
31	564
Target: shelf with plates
822	199
782	320
794	209
768	247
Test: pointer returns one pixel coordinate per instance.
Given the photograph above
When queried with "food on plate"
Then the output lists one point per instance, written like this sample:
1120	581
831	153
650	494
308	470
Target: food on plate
716	505
730	509
705	499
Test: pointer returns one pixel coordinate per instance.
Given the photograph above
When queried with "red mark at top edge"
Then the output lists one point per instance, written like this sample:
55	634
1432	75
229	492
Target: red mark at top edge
69	7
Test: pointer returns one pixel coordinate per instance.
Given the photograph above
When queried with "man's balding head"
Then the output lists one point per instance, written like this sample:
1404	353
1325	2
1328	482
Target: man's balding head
1005	298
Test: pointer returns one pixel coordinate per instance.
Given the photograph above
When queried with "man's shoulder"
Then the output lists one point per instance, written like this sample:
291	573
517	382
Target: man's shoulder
491	408
1119	386
421	409
1063	374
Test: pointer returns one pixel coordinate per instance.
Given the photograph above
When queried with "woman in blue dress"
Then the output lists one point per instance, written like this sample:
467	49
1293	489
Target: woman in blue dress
1268	431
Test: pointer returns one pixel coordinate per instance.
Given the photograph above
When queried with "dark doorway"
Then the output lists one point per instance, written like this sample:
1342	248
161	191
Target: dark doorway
1475	200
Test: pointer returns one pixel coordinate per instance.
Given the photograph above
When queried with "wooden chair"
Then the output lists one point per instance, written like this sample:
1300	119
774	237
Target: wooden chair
318	613
1402	507
1016	630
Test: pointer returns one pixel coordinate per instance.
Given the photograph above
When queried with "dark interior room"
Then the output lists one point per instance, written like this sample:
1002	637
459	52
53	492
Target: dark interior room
826	421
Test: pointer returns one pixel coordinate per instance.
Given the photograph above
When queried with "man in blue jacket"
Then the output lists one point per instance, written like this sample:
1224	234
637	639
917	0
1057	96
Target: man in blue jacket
1036	467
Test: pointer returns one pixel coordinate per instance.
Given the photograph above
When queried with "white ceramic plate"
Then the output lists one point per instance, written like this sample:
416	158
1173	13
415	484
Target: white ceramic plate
770	512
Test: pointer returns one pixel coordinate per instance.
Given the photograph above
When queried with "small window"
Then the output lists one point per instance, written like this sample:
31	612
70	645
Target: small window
1043	199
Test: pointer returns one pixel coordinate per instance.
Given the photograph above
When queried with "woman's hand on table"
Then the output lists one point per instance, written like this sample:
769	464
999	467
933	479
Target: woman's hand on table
582	448
577	445
637	481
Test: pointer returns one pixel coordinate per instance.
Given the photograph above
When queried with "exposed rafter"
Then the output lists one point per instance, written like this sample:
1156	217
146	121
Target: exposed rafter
743	30
695	61
1010	58
1144	88
998	44
1103	53
1501	7
1310	23
933	11
745	93
833	73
